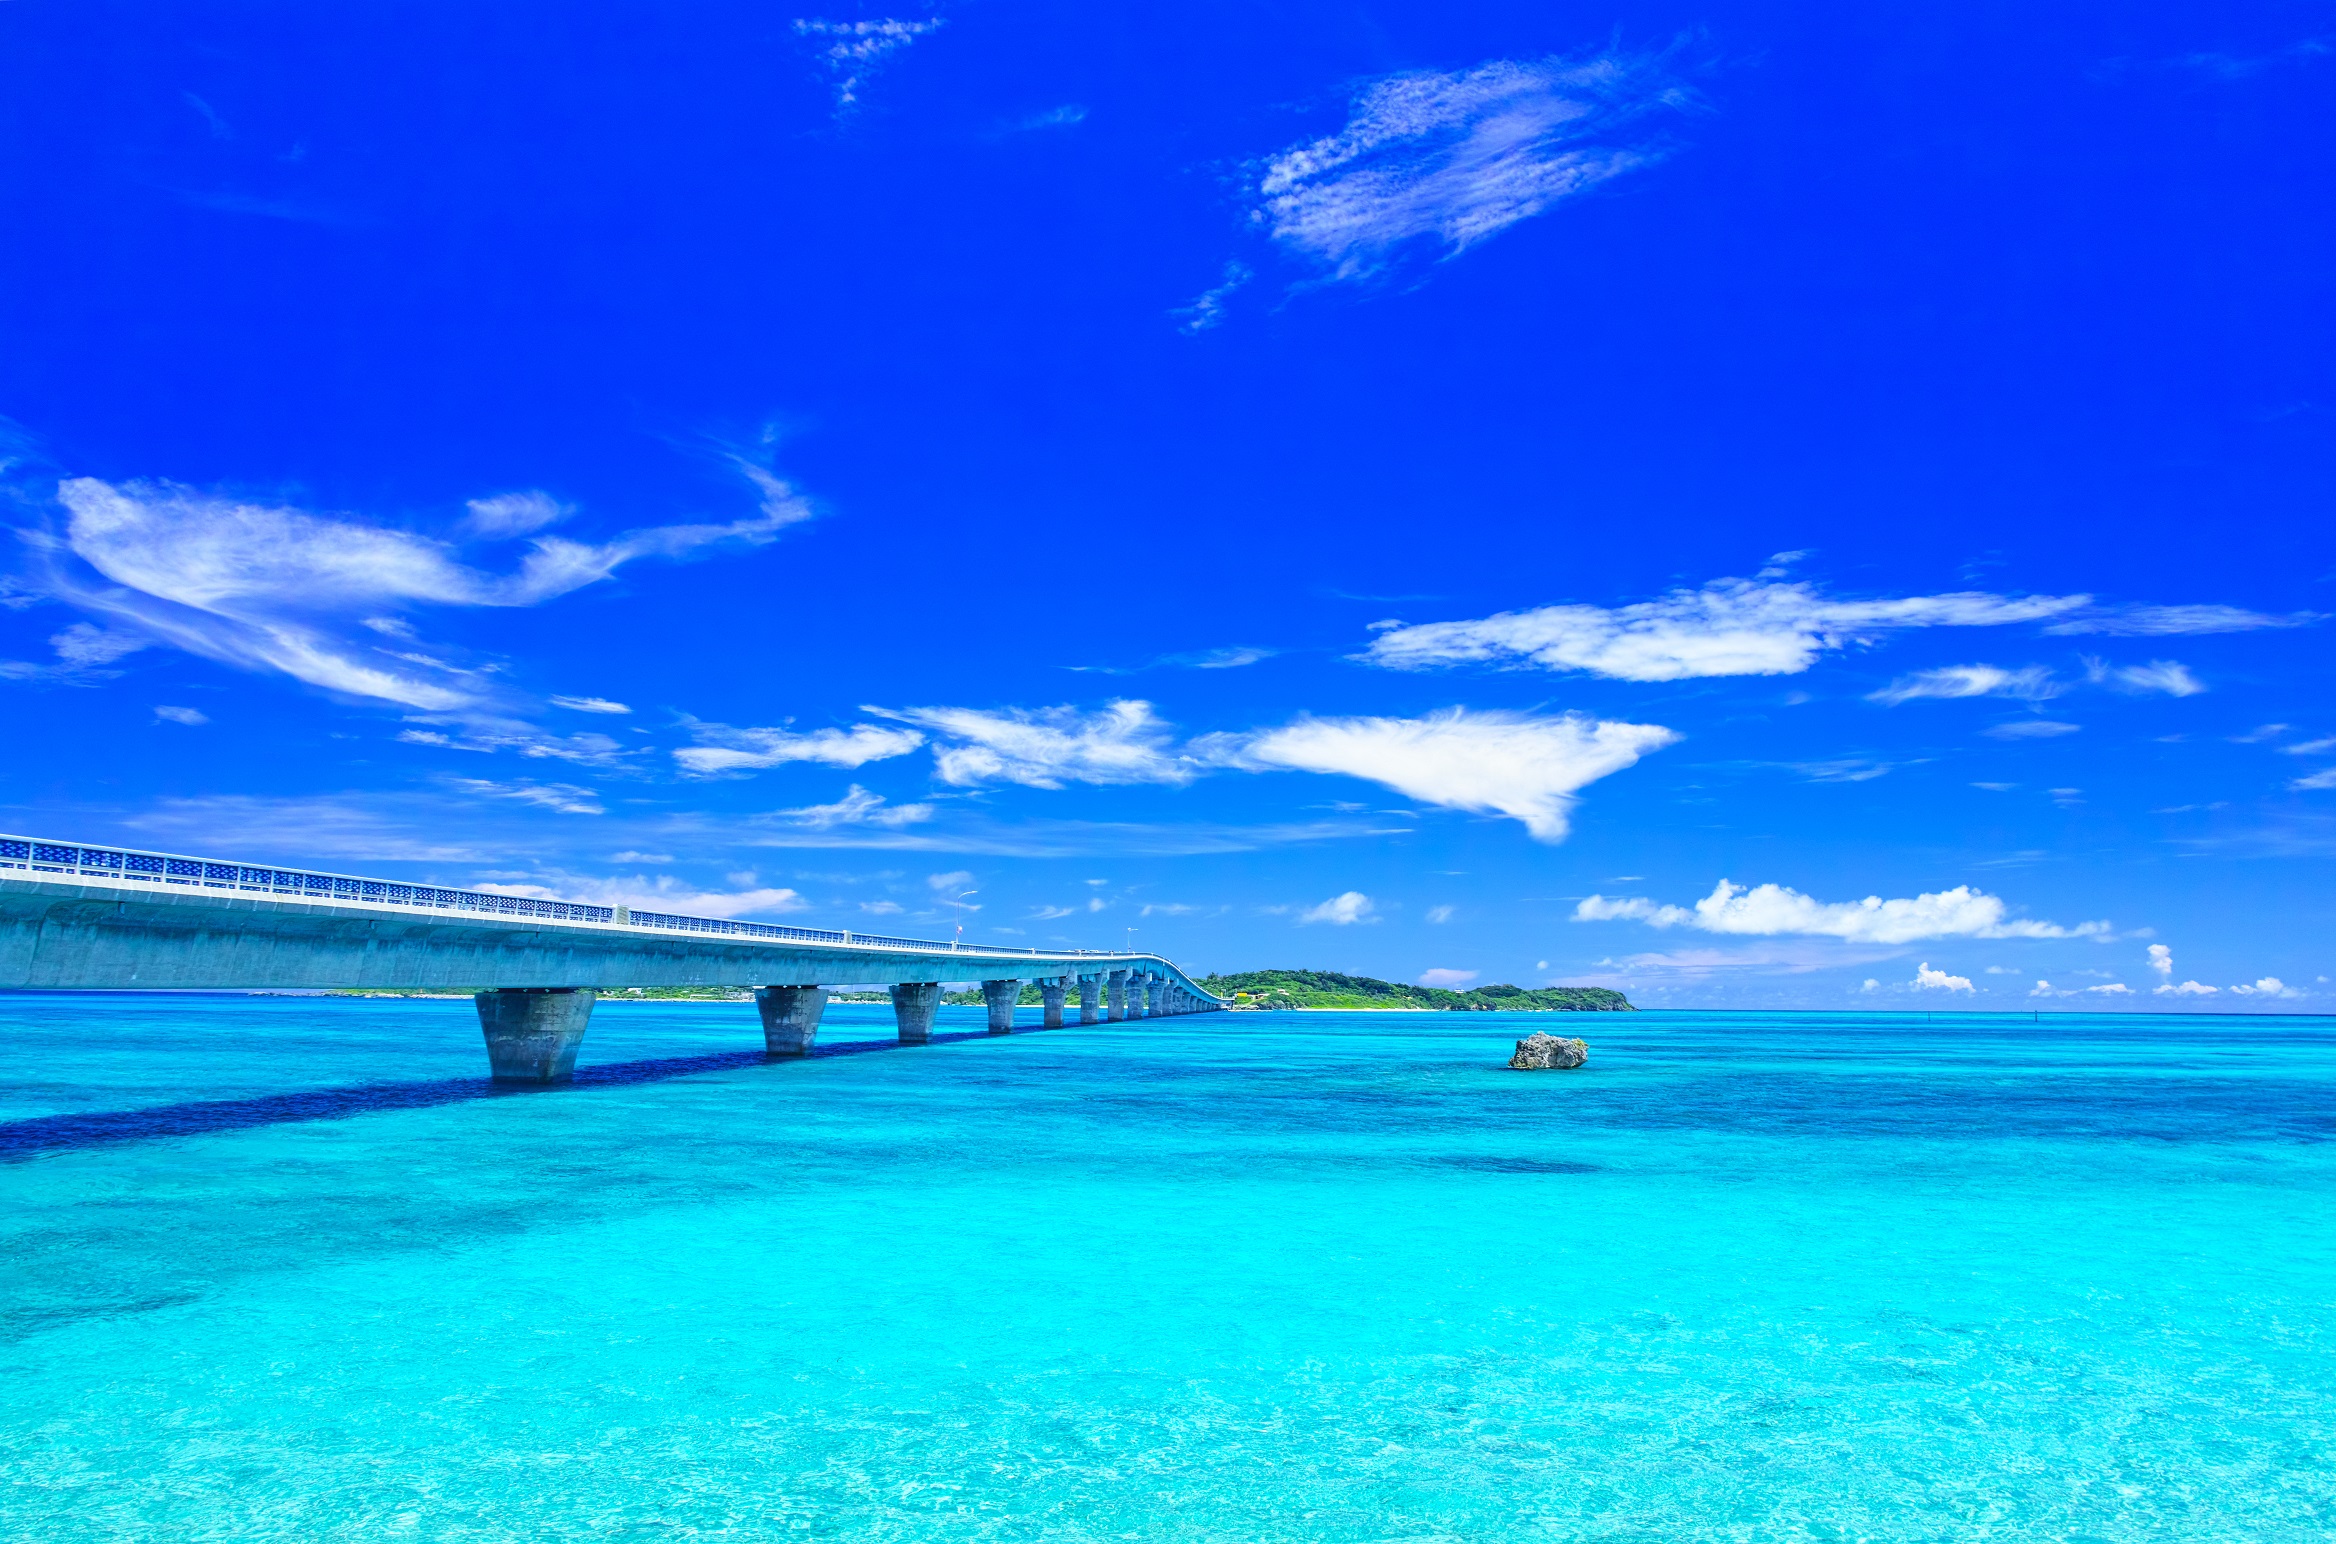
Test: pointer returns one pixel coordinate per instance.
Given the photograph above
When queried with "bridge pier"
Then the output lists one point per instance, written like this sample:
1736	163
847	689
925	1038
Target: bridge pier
533	1032
1000	998
913	1004
1051	993
1117	995
1090	999
1139	997
790	1018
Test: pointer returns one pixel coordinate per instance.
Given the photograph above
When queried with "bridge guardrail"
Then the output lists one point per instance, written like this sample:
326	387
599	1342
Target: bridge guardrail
36	856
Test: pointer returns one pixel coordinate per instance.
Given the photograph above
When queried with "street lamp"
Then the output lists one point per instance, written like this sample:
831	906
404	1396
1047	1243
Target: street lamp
959	941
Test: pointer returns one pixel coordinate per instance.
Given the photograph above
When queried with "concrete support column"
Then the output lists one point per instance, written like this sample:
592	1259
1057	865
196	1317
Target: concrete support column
533	1032
1051	993
790	1018
1090	999
1001	996
1118	994
914	1003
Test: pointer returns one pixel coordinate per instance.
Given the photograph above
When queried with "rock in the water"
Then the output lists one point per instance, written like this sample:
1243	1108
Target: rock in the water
1541	1053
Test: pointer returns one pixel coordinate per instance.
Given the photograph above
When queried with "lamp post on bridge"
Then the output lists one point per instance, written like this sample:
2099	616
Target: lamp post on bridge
959	941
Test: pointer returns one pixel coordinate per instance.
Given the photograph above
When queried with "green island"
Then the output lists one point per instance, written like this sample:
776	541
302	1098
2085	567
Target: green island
1329	989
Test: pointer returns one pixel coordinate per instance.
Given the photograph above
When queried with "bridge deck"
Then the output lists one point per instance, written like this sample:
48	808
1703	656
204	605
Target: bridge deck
74	917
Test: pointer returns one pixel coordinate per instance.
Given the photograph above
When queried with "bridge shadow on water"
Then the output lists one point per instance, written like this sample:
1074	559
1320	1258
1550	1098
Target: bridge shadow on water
54	1133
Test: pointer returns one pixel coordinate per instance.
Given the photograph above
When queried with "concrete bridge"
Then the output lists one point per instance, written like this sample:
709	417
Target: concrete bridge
81	918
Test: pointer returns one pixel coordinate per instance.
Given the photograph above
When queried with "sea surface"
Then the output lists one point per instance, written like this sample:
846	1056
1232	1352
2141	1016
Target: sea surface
289	1268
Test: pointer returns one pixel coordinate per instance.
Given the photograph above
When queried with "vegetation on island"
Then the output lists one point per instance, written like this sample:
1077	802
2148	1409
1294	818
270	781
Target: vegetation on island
1329	989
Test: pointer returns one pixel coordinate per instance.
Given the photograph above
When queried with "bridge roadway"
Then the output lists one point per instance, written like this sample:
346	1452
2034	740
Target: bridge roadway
80	918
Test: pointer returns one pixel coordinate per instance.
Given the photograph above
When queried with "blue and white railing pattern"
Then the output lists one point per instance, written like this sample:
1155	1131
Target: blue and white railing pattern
29	854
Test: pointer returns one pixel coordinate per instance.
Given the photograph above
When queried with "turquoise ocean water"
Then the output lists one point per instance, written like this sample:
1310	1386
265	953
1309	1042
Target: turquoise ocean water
284	1268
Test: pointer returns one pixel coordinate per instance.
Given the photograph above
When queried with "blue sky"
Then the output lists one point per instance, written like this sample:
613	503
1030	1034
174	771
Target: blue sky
1752	505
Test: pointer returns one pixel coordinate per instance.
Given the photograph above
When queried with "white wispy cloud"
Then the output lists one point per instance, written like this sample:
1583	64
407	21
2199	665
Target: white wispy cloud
1122	742
1849	769
1771	910
566	798
187	716
590	705
1207	309
2324	778
2030	729
1451	979
1229	657
1522	765
1341	910
858	807
271	588
851	50
506	515
2032	683
2171	677
722	749
487	733
1729	627
2170	621
82	654
1451	159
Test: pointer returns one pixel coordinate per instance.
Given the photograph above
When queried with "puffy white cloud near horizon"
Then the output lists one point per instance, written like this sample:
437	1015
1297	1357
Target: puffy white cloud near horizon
1929	980
1451	980
1729	627
1771	910
1451	159
1522	765
1341	910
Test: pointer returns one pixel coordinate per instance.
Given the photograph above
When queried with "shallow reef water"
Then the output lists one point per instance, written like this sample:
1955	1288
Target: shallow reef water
290	1268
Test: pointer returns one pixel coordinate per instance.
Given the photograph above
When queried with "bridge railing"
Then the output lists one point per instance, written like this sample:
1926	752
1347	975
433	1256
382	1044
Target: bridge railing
29	854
